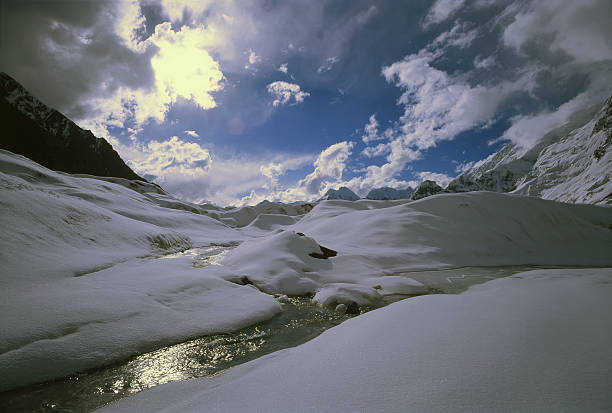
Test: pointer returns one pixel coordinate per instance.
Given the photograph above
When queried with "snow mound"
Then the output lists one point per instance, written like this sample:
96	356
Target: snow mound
455	230
354	296
272	221
283	263
537	341
243	216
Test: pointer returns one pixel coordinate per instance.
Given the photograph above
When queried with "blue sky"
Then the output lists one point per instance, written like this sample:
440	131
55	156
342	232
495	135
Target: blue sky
234	102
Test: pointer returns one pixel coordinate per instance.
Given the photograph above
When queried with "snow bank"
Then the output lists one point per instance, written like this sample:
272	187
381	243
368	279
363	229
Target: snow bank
80	284
537	341
267	222
453	230
378	239
351	295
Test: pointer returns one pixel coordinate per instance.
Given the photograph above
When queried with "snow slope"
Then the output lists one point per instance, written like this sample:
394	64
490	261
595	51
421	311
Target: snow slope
94	270
378	240
536	341
569	164
86	278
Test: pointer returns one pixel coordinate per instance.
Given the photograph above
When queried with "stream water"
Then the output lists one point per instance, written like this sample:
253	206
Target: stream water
299	322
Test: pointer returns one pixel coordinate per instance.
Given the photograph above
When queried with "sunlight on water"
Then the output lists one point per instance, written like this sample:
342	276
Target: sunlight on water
299	322
211	254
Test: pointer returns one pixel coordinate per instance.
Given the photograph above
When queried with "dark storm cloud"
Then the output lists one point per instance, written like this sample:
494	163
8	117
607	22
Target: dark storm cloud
66	52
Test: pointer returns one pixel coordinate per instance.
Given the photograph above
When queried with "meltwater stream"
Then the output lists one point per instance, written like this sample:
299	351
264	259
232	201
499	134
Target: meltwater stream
300	321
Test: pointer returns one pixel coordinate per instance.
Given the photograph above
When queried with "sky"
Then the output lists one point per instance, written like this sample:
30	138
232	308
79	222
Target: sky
237	101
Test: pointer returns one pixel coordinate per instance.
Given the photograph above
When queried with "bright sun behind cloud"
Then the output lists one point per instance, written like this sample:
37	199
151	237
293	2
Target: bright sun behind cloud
183	68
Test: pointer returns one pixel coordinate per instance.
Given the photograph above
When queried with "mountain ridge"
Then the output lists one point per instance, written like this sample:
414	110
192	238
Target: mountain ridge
46	136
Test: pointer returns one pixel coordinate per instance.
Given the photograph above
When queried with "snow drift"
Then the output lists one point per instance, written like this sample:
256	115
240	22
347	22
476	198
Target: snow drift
537	341
86	278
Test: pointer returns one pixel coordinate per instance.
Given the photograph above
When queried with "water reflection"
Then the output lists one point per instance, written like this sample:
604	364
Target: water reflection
299	322
211	254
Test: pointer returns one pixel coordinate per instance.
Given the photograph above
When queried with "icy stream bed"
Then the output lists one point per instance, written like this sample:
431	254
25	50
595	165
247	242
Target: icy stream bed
300	321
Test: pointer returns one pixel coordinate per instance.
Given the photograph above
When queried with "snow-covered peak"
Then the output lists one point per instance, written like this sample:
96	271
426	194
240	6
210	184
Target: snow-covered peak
571	163
385	193
341	193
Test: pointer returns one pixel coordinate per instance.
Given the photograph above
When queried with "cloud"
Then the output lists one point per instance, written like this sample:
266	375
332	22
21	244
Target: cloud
329	168
283	92
176	9
192	133
182	68
440	11
441	179
527	130
438	106
172	157
283	68
328	65
371	130
191	172
581	29
484	63
253	59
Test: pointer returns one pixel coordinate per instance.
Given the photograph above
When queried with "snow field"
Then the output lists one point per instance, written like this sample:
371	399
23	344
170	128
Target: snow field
536	341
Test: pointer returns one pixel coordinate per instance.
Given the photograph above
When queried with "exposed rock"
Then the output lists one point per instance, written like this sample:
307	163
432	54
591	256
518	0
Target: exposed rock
32	129
425	189
386	193
341	193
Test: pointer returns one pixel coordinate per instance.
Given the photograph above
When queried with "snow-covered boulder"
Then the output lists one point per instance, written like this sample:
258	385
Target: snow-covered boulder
285	263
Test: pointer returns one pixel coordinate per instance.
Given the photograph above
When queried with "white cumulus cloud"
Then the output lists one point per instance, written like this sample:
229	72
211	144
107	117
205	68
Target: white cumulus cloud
283	92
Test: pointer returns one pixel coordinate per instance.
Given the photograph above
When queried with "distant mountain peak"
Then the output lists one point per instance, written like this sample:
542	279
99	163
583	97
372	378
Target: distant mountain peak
425	189
386	193
46	136
341	193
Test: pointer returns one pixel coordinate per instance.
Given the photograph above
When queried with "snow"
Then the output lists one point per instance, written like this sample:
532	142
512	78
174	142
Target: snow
569	169
96	270
348	294
376	239
563	165
536	341
86	278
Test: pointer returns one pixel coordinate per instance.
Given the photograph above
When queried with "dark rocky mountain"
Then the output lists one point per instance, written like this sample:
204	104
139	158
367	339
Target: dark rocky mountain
425	189
341	193
32	129
385	193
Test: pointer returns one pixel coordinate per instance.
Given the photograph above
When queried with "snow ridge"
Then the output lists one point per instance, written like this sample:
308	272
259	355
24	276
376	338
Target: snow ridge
569	164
